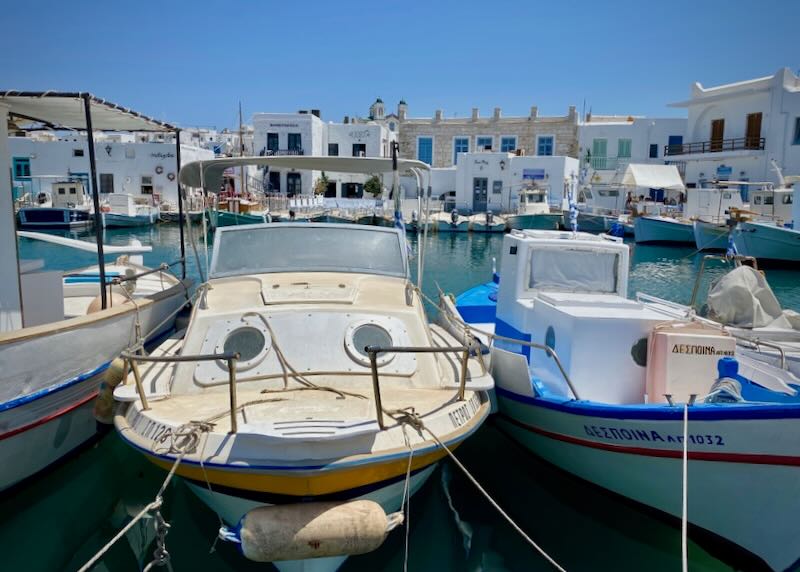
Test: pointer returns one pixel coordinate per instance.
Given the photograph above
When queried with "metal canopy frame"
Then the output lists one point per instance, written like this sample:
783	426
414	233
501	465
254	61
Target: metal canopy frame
53	110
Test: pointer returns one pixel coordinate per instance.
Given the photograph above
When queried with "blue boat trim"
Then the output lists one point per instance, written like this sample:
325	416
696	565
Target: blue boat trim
657	412
22	400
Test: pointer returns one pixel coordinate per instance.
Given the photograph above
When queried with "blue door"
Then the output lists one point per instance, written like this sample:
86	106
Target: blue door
675	142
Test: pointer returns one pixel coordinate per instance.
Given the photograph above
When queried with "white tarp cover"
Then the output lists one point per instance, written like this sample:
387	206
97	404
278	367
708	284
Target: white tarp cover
214	168
573	270
653	177
742	298
66	110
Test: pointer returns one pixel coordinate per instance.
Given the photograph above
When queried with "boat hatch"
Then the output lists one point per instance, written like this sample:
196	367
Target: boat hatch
573	270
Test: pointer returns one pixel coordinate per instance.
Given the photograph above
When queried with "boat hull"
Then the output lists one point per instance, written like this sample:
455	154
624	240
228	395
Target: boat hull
709	236
662	230
46	410
595	223
542	221
497	227
53	218
767	242
173	216
639	455
115	220
447	226
225	218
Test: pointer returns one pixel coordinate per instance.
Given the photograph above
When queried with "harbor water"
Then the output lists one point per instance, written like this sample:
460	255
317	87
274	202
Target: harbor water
60	519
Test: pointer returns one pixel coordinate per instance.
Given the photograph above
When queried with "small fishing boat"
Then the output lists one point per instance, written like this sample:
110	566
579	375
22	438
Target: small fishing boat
53	366
662	229
487	222
310	376
533	212
710	235
123	210
767	242
67	206
610	389
450	222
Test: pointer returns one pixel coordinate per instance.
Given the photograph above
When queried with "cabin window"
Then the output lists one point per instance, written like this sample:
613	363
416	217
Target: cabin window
787	199
757	200
73	191
425	150
768	200
497	187
460	145
146	187
544	145
587	194
333	149
62	191
726	196
624	148
484	143
573	270
77	152
508	144
106	182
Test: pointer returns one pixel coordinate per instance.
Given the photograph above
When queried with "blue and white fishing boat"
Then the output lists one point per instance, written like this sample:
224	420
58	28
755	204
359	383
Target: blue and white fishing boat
534	211
123	210
601	386
66	206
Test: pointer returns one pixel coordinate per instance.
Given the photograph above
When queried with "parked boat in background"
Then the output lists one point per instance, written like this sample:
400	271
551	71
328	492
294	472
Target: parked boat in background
66	205
487	222
533	211
123	210
590	381
450	221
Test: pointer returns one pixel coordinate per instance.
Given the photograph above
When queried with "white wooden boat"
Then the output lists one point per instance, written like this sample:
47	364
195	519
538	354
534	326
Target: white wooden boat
767	242
581	380
533	211
487	222
309	364
450	221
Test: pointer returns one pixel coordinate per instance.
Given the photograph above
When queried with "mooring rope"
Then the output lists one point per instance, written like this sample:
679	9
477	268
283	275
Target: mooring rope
685	495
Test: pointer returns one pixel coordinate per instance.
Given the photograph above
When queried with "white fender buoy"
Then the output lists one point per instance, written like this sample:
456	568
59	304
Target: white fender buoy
312	530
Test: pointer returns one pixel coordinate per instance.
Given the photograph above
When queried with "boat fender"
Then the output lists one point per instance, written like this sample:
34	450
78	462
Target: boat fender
104	404
310	530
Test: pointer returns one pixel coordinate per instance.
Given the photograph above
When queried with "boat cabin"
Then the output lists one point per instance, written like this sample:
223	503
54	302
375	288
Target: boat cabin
773	204
712	204
533	200
69	194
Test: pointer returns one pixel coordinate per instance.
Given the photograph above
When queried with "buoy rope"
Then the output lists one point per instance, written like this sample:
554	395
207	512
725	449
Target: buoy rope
684	499
405	506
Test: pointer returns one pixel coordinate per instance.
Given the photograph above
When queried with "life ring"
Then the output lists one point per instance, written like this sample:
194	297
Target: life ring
159	170
171	176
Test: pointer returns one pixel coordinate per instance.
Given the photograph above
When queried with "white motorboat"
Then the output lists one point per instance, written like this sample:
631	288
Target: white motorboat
309	376
602	387
487	222
123	210
534	211
450	222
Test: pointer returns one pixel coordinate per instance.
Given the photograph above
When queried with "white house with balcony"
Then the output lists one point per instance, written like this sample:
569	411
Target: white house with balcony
734	130
608	143
304	133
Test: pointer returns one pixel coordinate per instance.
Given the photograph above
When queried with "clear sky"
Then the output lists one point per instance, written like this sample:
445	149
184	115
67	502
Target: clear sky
190	63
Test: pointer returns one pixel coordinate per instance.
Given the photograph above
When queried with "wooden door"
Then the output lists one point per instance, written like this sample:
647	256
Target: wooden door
753	134
717	133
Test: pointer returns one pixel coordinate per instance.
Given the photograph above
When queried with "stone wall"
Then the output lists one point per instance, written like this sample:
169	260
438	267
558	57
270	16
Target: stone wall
525	129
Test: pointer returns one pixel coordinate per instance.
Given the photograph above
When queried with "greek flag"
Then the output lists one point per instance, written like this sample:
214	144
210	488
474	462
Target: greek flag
731	246
573	209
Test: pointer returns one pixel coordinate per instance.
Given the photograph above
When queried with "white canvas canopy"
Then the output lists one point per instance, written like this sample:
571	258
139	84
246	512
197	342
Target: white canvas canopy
213	169
664	177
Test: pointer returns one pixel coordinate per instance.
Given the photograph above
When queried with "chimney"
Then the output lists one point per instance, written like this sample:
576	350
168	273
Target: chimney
346	119
588	116
316	113
496	115
534	111
573	115
402	107
475	114
438	115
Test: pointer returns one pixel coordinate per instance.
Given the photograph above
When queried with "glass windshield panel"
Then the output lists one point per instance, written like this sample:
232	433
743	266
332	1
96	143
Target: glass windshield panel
308	248
575	270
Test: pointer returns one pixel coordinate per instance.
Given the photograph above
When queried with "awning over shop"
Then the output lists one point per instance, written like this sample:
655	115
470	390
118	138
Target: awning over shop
664	177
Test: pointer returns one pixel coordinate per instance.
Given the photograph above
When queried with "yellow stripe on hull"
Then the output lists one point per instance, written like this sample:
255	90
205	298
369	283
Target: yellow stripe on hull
304	483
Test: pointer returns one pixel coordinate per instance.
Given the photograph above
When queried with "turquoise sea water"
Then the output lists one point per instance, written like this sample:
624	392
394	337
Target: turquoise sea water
61	519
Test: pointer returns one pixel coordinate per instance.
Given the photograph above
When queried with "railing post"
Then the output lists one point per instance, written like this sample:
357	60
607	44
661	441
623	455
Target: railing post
232	385
376	386
139	388
463	382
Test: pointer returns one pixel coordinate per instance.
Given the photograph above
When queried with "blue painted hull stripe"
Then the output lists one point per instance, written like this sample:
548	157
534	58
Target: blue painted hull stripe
19	401
726	412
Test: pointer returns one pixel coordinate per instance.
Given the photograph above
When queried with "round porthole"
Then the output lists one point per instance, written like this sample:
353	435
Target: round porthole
639	352
250	342
363	334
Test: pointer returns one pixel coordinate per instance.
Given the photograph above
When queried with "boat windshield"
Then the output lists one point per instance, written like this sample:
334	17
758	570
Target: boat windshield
307	247
574	270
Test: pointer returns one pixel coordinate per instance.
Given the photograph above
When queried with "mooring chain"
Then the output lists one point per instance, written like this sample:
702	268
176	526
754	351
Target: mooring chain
161	555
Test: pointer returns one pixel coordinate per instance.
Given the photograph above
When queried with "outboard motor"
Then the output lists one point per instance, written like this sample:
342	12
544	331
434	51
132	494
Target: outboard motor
454	216
489	218
414	216
41	198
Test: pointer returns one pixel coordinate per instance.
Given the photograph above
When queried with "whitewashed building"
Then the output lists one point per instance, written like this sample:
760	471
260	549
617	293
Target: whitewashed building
304	133
492	181
734	130
608	143
124	165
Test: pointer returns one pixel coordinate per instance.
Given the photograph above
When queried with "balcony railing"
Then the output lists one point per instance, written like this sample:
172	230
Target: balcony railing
715	146
282	152
607	163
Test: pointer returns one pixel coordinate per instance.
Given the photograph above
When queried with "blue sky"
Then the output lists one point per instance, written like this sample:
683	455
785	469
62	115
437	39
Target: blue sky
192	62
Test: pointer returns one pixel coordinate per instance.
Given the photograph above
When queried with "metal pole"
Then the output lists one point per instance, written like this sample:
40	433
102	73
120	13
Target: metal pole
464	366
376	387
232	384
98	217
139	388
181	215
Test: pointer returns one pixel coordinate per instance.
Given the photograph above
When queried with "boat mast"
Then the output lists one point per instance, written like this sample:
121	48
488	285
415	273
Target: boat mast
241	151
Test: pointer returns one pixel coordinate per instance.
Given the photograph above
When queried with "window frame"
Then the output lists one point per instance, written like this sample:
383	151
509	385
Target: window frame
432	140
479	147
461	138
502	143
796	139
629	147
333	146
552	138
